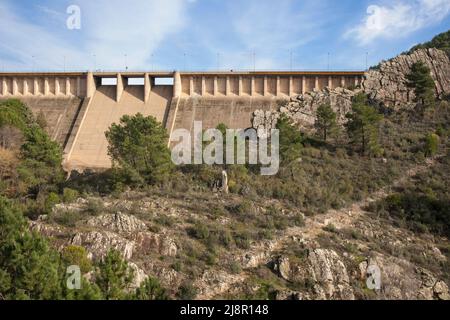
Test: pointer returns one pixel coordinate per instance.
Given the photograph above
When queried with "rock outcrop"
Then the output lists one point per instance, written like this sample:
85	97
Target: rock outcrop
119	223
401	280
323	269
388	85
302	109
99	243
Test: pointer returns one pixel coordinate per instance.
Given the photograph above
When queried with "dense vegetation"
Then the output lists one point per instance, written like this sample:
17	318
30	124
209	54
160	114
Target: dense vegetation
30	269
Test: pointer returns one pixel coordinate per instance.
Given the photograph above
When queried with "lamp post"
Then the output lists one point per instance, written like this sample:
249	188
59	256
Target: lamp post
328	62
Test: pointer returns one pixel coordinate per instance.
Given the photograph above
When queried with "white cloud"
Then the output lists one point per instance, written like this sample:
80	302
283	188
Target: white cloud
110	29
398	19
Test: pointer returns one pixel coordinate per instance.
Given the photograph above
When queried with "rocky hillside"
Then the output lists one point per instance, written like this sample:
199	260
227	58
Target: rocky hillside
385	85
328	256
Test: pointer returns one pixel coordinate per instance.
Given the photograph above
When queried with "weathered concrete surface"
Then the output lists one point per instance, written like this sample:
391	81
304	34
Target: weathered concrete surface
90	146
235	113
59	113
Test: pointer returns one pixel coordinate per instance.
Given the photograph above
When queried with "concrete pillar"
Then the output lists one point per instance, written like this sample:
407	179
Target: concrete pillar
4	87
25	86
343	82
46	87
252	87
90	85
303	85
35	87
216	87
79	87
240	86
57	87
203	84
330	82
316	83
15	90
119	87
265	91
177	90
148	87
291	86
67	86
227	87
278	87
191	86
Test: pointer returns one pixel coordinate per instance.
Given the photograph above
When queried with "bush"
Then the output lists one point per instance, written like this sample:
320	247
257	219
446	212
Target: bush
150	289
431	145
95	206
76	255
187	291
69	195
52	199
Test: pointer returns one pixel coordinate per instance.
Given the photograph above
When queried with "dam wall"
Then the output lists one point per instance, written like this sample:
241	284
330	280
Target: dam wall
80	107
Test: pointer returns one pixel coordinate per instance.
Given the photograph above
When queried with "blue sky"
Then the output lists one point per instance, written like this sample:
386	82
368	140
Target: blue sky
211	34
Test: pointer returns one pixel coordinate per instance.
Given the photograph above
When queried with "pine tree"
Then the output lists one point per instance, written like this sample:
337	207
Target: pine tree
291	140
150	289
114	276
29	269
325	120
139	144
423	84
362	125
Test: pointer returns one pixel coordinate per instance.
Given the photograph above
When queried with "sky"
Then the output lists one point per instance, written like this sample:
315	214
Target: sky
206	35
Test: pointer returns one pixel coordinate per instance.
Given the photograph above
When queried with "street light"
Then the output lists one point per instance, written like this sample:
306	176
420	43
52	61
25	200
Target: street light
32	63
290	60
367	60
218	61
328	62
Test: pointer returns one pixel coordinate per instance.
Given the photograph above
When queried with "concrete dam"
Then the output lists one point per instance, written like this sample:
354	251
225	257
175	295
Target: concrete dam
80	106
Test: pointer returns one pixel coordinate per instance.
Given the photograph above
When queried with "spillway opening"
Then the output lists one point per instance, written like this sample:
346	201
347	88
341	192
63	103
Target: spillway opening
109	82
163	81
136	81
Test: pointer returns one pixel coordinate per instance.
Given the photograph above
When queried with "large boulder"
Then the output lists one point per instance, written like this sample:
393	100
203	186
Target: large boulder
402	280
99	243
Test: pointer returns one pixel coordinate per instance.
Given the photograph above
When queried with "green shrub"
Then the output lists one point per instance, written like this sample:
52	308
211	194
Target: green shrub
69	195
187	291
76	255
431	144
95	206
51	200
